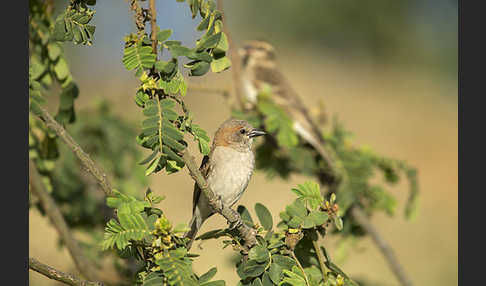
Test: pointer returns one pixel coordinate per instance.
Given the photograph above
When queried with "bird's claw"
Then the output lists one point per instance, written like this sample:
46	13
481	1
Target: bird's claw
234	225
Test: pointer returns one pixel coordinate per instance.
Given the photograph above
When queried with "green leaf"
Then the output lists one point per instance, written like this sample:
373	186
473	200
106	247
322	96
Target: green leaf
65	113
54	51
210	42
119	235
203	25
202	137
61	69
266	281
199	68
245	215
297	209
221	64
208	275
259	254
292	279
164	35
151	168
264	216
203	56
37	68
177	269
179	51
338	222
257	282
222	46
75	26
310	193
153	279
252	269
138	57
284	262
318	217
275	272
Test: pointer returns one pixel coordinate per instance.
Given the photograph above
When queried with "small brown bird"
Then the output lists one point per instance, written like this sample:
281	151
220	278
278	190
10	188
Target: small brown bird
227	169
259	68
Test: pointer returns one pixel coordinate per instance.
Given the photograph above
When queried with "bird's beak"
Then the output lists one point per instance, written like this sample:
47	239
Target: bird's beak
256	133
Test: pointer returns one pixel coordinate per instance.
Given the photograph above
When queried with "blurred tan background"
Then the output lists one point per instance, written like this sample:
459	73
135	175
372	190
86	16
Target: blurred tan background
389	72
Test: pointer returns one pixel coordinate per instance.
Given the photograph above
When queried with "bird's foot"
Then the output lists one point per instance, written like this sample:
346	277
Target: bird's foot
235	224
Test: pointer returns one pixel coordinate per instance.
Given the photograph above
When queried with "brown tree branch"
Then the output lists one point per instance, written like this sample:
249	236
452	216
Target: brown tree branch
55	216
55	274
248	234
87	162
382	245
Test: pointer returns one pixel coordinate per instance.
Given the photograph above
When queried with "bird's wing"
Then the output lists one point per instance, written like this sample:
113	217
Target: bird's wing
280	86
285	96
204	168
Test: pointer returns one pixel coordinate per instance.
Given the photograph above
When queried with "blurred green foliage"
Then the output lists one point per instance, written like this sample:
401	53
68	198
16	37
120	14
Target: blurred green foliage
109	144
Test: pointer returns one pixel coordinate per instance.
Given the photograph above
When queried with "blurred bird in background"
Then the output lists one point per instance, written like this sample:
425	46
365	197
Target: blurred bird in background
227	169
259	68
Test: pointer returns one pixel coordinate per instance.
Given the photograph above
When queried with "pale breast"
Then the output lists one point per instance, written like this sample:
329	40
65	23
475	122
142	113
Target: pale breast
229	177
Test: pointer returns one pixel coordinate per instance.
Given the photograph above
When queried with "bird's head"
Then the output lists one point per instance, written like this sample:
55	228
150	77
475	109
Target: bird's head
237	134
256	51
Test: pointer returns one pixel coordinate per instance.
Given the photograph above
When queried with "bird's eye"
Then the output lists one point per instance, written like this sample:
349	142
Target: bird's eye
242	131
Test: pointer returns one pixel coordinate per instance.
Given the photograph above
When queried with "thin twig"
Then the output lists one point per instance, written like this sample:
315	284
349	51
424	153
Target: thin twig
320	257
300	267
235	59
248	234
153	26
87	162
385	249
55	216
55	274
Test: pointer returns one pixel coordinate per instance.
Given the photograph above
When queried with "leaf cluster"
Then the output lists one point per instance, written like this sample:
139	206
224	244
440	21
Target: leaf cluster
73	24
47	63
142	231
163	86
273	260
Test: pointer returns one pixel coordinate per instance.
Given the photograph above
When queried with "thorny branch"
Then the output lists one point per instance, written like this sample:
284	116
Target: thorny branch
55	274
55	216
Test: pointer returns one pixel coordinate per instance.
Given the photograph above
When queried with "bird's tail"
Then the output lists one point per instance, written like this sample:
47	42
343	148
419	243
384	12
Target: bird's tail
195	225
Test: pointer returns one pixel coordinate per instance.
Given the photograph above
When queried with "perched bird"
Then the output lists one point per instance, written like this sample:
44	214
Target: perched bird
259	68
227	169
